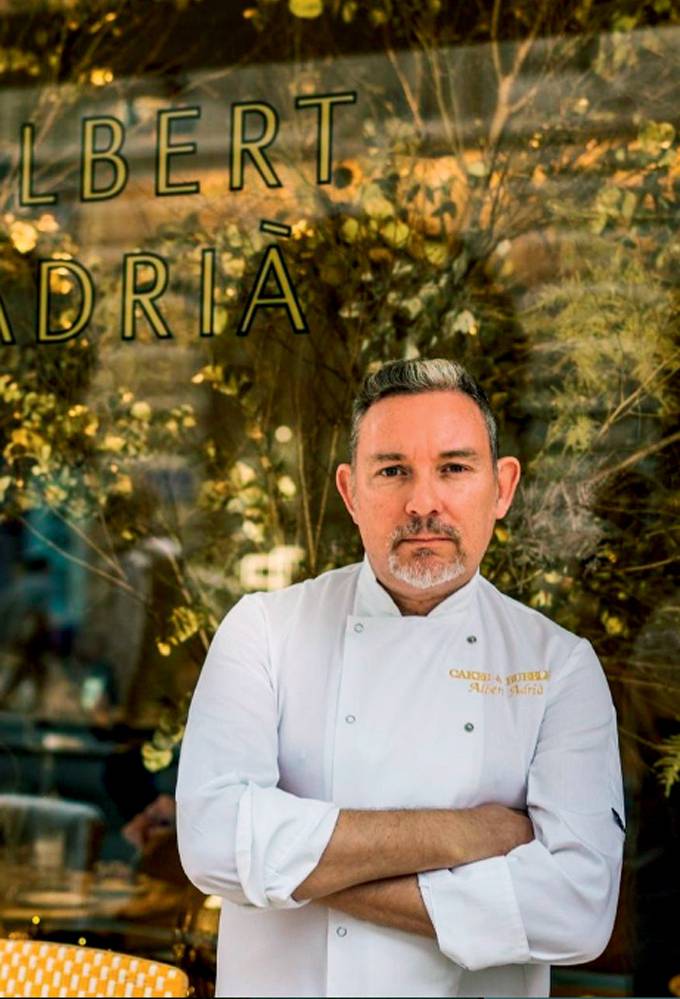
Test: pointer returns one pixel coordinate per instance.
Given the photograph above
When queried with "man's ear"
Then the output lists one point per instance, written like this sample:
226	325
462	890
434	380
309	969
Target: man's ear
508	471
343	480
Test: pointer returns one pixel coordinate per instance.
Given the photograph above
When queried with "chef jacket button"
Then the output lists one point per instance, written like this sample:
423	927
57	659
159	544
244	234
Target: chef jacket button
341	931
350	719
471	639
468	726
358	628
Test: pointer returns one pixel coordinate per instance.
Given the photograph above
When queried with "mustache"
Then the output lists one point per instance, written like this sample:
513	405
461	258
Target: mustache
424	525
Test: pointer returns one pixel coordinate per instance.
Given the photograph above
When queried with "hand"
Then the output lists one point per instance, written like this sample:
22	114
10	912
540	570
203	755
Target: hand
156	818
394	902
494	830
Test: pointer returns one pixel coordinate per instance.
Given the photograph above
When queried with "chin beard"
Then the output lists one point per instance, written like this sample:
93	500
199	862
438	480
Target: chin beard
418	574
419	571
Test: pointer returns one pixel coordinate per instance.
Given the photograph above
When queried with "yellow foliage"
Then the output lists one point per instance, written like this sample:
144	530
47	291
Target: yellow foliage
122	486
24	236
27	439
155	759
395	233
100	77
375	204
436	253
141	411
613	625
305	8
55	495
286	486
185	623
113	442
350	230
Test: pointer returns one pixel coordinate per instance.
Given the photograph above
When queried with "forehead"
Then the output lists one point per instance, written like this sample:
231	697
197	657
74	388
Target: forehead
431	421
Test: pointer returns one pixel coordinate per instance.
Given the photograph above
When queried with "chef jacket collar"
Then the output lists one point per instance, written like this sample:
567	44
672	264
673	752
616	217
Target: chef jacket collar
373	600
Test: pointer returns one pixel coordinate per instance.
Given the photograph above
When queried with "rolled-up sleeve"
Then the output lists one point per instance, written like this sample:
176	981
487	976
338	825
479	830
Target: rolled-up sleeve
552	900
240	836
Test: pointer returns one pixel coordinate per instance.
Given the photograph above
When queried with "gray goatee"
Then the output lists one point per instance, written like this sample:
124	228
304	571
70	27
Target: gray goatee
416	571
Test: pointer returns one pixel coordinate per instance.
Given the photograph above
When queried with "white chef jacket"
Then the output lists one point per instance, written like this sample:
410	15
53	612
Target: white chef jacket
323	696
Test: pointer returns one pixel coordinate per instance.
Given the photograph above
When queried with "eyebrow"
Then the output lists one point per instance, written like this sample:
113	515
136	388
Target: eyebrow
382	456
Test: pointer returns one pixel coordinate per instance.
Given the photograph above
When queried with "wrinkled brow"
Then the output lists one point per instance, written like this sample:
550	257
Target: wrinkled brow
382	456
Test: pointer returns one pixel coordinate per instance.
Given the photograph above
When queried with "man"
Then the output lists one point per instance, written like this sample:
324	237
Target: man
362	747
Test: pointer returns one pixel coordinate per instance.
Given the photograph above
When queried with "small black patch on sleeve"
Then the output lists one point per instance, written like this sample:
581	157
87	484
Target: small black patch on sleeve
618	820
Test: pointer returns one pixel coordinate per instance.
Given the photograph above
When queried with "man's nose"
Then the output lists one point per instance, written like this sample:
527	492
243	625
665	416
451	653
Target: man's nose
424	498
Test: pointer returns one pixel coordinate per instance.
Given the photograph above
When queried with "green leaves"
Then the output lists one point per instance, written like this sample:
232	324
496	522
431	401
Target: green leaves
157	752
668	765
655	137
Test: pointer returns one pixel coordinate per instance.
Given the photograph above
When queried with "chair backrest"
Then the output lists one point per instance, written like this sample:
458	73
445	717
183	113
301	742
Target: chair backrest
71	829
40	968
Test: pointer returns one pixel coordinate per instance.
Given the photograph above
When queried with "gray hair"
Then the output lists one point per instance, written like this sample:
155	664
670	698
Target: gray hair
414	377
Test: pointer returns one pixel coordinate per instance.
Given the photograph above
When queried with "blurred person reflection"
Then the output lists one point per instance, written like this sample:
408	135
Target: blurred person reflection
26	639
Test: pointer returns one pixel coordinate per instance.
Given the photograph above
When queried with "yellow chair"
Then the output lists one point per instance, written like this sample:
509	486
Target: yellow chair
39	968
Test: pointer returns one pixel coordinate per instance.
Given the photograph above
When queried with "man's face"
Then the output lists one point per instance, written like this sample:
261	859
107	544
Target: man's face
424	492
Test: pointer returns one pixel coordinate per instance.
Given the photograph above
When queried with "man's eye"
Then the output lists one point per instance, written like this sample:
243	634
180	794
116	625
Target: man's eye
454	467
391	471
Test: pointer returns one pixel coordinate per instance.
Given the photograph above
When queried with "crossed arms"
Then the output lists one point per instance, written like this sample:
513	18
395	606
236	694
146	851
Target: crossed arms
498	889
369	866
